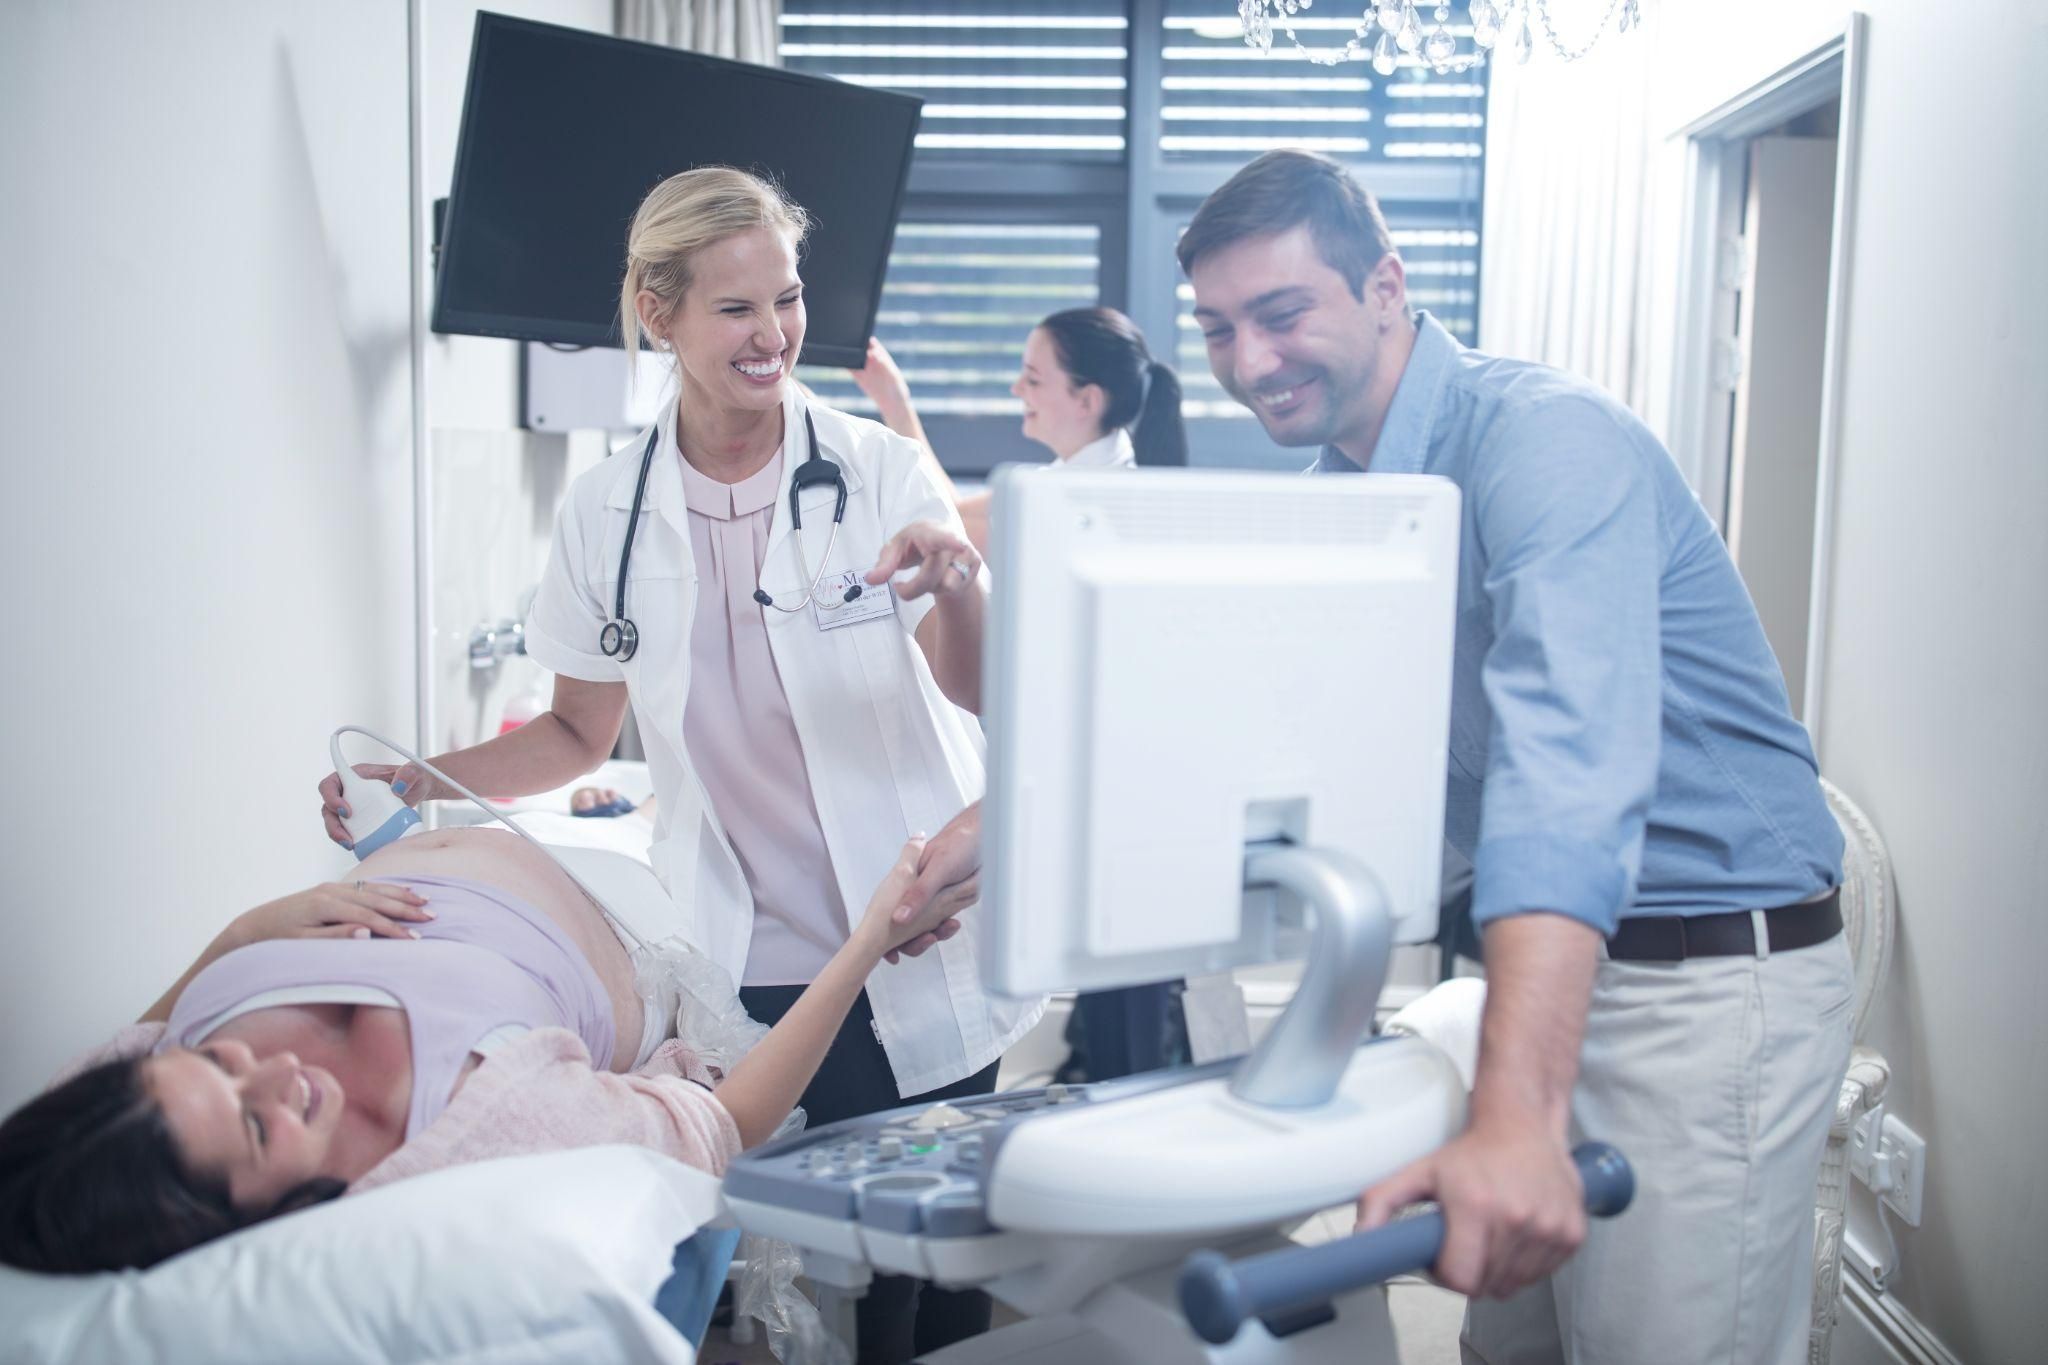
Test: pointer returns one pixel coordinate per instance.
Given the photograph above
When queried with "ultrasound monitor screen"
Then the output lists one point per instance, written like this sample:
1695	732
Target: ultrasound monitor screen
563	134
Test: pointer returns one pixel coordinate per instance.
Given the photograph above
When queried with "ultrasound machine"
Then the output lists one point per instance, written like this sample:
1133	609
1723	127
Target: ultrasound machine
1218	708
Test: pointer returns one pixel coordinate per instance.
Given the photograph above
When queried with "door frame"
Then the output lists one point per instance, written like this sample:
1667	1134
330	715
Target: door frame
1716	143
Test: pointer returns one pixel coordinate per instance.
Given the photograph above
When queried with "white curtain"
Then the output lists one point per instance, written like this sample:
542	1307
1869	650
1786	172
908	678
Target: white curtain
745	30
1567	218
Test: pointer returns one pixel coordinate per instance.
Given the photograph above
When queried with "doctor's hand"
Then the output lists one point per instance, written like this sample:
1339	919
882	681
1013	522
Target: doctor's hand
946	564
1513	1205
333	809
878	926
948	881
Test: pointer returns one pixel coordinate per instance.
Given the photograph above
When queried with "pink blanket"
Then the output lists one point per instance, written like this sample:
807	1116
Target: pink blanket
539	1093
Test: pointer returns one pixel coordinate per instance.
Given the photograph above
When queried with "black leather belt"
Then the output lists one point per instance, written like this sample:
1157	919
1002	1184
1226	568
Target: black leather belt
1674	938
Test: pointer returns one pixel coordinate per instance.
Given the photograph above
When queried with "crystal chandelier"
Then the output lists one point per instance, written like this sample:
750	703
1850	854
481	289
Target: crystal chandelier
1405	35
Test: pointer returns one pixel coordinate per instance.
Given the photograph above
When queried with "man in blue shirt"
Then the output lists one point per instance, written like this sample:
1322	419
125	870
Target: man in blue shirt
1653	859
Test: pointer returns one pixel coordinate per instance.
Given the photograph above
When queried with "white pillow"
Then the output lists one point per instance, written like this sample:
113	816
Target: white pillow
533	1258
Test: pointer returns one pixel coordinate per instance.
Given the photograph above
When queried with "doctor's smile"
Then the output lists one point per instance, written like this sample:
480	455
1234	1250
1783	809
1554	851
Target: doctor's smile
761	371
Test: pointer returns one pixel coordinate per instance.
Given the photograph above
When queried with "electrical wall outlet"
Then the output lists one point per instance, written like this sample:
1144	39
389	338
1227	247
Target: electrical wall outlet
1908	1155
1891	1159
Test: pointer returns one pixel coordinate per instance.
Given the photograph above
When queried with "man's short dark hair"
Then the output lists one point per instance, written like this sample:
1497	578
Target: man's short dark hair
1282	190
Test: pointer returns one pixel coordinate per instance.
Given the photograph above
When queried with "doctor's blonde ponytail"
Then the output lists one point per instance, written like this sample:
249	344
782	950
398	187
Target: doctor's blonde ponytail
680	217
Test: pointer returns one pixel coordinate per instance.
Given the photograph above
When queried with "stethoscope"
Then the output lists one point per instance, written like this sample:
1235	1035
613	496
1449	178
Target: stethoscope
620	638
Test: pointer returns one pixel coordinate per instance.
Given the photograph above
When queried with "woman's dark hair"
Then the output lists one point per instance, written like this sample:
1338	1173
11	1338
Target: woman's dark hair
90	1179
1101	346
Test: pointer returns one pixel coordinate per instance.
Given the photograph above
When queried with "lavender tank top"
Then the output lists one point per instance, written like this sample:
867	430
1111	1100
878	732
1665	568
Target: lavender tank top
486	960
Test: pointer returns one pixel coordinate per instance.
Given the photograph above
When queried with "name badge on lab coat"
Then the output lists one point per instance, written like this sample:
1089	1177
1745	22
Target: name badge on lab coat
873	601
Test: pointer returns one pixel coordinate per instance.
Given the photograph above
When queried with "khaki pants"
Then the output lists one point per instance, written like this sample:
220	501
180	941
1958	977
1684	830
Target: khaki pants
1717	1078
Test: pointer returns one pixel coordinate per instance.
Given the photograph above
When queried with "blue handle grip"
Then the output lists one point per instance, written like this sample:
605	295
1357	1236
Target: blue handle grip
1217	1294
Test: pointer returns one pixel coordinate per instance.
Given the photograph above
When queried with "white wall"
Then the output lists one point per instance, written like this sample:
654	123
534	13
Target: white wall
1938	644
494	487
207	524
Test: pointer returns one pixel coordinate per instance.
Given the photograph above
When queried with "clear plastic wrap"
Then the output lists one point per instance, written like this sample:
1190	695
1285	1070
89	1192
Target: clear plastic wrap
698	995
767	1292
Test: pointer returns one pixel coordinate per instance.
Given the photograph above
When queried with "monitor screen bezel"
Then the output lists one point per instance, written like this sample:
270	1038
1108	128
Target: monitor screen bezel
450	320
1041	671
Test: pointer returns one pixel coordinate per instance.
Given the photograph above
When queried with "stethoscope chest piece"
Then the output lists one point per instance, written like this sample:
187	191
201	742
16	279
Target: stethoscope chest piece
620	639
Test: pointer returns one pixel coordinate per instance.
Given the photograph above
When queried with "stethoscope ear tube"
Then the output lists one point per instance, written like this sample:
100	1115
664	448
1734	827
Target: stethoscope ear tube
620	638
810	474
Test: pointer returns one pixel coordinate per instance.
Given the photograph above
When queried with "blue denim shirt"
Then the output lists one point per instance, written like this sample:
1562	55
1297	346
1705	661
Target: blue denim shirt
1621	742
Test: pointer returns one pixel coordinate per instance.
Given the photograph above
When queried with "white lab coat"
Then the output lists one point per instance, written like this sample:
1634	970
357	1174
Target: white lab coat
887	754
1113	451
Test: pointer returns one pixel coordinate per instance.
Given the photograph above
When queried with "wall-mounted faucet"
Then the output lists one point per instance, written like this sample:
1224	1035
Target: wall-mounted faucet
489	643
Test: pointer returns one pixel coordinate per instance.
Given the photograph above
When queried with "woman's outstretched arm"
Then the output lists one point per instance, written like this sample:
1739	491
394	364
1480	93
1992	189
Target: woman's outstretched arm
766	1083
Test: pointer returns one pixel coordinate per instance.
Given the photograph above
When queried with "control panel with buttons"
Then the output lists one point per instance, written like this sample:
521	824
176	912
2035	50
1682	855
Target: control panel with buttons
916	1171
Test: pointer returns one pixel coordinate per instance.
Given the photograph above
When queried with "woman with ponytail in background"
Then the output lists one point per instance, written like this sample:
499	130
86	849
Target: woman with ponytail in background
1092	394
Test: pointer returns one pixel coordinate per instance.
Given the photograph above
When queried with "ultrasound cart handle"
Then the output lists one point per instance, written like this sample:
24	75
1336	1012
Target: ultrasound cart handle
1217	1295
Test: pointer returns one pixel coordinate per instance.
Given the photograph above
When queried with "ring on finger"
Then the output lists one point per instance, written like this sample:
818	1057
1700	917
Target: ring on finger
965	572
359	885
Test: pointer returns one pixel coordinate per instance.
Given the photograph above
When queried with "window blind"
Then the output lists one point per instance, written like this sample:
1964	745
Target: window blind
957	303
1007	79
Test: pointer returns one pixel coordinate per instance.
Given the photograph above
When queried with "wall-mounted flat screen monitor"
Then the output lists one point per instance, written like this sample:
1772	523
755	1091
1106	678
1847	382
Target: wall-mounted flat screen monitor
564	132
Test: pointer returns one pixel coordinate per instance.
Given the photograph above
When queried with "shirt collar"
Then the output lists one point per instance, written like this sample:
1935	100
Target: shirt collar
666	488
1403	446
706	496
1109	452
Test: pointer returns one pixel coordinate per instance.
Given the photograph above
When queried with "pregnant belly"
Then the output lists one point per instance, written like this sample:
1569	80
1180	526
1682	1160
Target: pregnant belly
500	858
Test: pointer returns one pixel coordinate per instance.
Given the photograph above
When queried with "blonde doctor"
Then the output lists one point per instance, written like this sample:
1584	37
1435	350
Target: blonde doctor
800	690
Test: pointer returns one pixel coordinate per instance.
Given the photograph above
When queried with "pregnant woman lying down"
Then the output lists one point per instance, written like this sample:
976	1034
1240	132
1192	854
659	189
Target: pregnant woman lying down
465	1000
